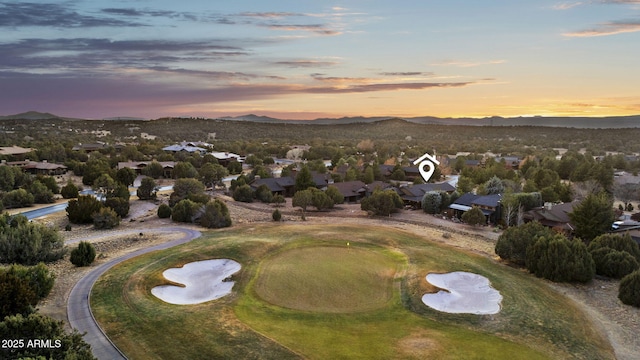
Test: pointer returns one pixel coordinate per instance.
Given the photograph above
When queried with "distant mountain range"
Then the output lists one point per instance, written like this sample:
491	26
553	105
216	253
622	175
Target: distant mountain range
611	122
35	115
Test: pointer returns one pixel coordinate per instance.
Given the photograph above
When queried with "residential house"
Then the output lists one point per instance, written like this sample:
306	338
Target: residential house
353	191
185	148
138	166
410	172
89	147
553	215
412	195
489	204
472	163
38	167
379	185
224	158
284	186
510	162
321	180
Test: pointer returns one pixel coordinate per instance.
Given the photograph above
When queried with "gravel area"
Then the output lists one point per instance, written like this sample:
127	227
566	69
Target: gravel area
619	322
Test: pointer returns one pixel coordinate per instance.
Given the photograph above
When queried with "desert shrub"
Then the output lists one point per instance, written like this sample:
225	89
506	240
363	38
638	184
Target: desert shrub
302	199
186	188
335	194
147	189
431	202
50	183
105	218
119	205
69	191
17	198
216	215
513	242
243	193
320	199
81	210
475	216
164	211
382	203
16	296
616	242
185	211
41	193
38	277
616	264
153	170
614	255
278	200
27	243
199	198
83	255
264	194
629	291
276	215
559	259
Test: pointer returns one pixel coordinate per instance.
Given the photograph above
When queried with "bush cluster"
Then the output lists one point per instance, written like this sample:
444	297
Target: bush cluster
216	215
382	203
83	255
21	287
559	259
27	243
164	211
629	292
546	254
615	256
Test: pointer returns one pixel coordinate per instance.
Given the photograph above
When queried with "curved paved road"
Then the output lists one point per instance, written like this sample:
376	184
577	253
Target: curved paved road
79	312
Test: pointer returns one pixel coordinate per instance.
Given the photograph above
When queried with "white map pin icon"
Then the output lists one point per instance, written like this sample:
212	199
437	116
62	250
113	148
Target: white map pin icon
424	161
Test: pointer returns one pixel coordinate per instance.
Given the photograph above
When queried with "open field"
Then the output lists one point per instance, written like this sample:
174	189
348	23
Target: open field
391	322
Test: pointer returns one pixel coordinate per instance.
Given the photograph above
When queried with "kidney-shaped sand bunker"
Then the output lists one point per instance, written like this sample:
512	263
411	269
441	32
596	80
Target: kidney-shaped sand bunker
467	293
203	281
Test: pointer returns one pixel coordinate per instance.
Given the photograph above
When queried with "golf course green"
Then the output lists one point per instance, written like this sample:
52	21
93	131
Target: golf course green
335	292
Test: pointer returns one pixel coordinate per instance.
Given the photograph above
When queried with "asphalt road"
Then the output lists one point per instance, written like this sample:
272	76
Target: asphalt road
79	311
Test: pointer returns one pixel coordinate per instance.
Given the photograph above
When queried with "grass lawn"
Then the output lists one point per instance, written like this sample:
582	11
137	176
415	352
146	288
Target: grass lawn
303	293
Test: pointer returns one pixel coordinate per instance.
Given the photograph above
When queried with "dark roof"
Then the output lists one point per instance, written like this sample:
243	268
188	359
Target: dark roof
554	215
386	170
378	185
411	170
470	199
421	189
274	184
319	179
38	165
487	200
466	199
351	188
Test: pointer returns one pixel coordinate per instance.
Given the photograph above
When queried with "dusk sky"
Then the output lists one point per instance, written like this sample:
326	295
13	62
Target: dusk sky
303	59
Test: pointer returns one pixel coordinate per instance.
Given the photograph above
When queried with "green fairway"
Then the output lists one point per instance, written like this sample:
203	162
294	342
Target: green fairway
303	293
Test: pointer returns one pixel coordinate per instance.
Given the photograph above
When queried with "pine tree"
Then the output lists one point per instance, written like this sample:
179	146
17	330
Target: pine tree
592	217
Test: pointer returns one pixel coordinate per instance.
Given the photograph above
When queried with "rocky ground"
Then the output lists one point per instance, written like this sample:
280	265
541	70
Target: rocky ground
619	322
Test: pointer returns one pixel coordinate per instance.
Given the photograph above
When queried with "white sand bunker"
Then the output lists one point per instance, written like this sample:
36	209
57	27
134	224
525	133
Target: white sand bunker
467	293
203	281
